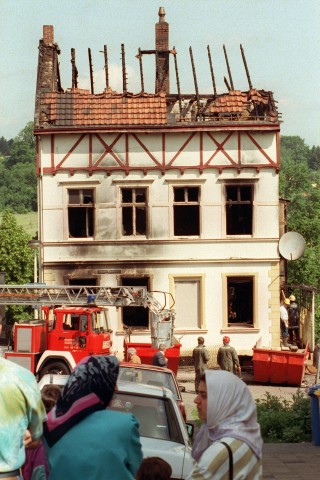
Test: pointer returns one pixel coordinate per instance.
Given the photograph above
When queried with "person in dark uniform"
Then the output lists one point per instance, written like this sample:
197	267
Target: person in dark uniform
294	321
200	357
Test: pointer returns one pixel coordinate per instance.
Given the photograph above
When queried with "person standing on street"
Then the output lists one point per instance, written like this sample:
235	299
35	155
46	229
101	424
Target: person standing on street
85	440
284	321
229	443
294	321
22	414
159	358
227	357
200	357
132	356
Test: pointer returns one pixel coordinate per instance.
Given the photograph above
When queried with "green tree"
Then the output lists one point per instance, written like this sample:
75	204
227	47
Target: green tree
23	148
17	188
300	184
295	147
16	260
314	158
5	146
18	182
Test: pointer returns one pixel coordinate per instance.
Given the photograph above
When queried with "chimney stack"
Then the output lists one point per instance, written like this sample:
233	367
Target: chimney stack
162	43
48	36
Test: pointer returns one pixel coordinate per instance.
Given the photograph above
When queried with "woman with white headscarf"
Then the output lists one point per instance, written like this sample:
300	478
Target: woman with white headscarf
229	443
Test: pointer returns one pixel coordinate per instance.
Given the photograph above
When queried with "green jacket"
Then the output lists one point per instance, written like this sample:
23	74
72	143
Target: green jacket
227	358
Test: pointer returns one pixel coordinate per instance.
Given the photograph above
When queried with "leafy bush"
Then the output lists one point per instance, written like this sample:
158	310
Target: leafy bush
281	420
285	421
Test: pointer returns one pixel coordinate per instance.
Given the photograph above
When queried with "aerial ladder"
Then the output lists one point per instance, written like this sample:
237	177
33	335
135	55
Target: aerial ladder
38	295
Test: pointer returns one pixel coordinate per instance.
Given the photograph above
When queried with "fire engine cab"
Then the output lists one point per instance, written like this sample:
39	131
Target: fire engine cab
78	327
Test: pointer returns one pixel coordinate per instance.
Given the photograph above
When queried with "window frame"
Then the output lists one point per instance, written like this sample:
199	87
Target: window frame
227	327
146	282
239	202
134	205
173	278
186	203
80	189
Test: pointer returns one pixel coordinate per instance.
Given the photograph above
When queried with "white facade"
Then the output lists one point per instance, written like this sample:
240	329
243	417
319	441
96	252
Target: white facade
207	269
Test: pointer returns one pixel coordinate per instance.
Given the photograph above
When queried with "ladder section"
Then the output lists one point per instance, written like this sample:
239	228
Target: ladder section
77	295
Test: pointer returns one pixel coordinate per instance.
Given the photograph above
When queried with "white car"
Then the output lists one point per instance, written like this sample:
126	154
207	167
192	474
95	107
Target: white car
53	378
163	431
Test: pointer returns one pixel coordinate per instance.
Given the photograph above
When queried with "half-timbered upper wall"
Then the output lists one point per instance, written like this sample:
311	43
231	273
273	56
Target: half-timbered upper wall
163	152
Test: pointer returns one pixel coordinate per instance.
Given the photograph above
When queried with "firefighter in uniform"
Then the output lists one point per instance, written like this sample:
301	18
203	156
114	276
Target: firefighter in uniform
227	357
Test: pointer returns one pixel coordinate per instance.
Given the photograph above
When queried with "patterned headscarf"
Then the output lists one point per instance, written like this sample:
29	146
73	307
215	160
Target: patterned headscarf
90	388
231	412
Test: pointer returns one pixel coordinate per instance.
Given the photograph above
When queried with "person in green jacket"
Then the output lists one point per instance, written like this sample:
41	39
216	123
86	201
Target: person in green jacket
227	357
200	357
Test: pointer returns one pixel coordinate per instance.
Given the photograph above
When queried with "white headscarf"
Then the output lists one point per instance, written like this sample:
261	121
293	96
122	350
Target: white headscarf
231	412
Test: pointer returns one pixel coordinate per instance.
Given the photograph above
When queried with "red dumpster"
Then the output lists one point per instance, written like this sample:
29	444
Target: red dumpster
146	353
279	366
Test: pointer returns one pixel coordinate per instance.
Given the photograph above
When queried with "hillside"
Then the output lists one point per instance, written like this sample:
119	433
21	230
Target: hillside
28	221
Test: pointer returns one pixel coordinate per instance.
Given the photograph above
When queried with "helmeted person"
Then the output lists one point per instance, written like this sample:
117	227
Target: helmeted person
294	321
200	357
227	357
284	320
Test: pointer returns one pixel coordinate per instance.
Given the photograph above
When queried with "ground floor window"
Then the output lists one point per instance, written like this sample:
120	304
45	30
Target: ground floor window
188	295
240	300
135	317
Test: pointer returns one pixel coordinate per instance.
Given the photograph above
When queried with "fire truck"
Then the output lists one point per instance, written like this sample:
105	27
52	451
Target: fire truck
74	323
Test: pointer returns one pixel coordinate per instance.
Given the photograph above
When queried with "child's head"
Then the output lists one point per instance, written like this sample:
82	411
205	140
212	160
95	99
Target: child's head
50	395
154	468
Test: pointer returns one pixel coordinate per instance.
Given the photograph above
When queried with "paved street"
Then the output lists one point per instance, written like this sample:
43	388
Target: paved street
281	461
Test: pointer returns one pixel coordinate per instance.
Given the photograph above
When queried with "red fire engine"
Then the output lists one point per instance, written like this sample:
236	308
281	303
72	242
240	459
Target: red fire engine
74	323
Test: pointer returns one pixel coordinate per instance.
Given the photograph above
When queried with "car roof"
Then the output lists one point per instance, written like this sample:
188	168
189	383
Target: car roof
144	389
53	379
122	386
145	366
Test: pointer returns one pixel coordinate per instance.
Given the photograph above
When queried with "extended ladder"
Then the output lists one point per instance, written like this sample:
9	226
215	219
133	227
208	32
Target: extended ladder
38	294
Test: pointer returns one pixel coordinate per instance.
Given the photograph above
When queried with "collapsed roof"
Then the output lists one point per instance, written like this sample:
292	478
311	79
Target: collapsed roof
74	107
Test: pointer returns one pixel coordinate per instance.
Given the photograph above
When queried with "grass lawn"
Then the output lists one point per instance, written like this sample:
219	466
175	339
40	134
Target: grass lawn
28	221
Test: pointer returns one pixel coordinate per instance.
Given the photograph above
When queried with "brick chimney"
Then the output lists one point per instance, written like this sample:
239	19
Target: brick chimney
48	78
162	43
48	35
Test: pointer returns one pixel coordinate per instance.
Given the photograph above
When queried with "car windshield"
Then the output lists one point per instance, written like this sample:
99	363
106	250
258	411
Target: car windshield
149	377
156	416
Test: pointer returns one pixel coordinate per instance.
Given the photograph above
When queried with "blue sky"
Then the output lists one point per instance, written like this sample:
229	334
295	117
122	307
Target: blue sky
280	39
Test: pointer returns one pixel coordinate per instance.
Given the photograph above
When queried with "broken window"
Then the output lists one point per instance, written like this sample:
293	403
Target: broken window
134	211
186	211
239	209
135	317
240	301
81	213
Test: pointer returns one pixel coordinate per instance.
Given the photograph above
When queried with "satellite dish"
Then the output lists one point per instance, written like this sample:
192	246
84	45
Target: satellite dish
292	245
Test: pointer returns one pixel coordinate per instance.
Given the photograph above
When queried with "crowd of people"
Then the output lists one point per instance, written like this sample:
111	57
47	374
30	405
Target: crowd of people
59	434
62	434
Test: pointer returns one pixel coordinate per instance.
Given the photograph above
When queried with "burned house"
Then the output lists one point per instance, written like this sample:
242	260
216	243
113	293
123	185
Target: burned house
174	191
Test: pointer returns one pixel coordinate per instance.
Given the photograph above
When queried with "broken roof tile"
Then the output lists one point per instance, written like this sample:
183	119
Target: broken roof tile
79	107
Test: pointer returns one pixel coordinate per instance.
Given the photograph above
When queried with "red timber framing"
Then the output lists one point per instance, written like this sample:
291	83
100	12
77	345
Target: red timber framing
217	154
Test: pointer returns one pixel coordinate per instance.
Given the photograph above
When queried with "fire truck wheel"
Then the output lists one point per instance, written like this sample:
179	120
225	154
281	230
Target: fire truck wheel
57	367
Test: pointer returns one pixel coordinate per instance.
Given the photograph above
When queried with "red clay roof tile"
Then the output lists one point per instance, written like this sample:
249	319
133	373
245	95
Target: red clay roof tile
77	107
